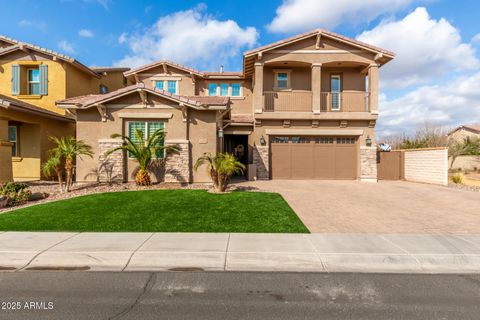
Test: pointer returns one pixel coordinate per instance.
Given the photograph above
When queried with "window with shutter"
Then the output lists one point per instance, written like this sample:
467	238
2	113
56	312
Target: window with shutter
15	79
43	80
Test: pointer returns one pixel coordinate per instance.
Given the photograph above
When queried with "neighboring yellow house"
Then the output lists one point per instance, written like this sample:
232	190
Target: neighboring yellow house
31	80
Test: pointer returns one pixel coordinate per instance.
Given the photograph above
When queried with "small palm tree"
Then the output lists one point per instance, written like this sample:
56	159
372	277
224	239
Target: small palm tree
144	150
220	167
52	166
68	148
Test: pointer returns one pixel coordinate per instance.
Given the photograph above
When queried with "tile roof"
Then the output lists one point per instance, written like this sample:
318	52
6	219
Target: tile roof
27	107
92	99
161	62
241	118
322	32
20	45
107	69
471	127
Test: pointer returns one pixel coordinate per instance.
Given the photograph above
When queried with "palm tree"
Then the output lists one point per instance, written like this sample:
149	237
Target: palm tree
144	150
54	166
220	167
69	148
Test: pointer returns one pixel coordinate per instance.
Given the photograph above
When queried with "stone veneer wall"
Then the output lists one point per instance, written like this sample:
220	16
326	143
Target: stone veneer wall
111	168
177	166
427	165
368	163
261	161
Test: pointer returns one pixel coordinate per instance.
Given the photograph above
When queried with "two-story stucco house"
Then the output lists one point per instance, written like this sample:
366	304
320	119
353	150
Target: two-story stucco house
302	108
31	80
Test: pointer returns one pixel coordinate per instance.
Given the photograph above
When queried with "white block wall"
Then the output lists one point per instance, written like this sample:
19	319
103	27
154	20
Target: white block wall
428	166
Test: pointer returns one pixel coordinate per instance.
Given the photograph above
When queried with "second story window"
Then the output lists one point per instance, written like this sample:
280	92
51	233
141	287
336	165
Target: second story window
159	84
103	89
172	87
212	89
33	81
235	89
224	89
282	79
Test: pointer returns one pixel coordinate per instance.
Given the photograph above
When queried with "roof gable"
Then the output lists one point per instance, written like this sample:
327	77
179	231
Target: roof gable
163	63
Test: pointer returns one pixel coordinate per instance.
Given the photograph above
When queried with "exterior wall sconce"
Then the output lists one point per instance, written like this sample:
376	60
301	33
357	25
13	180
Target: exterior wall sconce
220	133
262	141
368	141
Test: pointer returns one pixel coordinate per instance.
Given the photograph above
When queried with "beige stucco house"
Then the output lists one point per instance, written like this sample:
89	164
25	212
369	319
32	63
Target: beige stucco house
301	108
464	131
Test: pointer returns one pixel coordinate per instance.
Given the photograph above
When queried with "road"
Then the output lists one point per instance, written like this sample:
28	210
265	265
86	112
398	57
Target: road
234	295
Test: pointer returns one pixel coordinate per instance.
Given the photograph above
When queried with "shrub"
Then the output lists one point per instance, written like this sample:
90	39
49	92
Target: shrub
457	178
16	193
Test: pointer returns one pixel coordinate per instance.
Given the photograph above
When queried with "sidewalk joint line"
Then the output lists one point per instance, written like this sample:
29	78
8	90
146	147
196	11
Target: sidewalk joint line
226	253
45	250
135	251
316	252
408	253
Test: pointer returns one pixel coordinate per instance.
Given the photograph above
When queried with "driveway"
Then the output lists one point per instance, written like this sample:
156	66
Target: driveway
383	207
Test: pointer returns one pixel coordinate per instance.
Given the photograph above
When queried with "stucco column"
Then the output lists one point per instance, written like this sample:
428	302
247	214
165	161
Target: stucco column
373	78
316	87
6	173
258	100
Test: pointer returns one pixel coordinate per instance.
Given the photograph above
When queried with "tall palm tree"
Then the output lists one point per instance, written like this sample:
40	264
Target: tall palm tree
69	148
220	167
52	166
144	150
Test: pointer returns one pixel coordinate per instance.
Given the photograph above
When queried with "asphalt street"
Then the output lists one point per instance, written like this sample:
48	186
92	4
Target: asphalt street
237	295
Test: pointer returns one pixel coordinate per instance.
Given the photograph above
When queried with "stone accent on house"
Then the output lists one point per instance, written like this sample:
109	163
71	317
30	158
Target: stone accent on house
427	165
261	161
177	166
368	164
111	168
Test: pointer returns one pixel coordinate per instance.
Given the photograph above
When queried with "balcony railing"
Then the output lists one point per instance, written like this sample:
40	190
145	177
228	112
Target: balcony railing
344	101
288	101
301	101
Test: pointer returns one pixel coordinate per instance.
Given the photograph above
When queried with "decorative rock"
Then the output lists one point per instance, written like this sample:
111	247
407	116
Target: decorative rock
177	166
261	161
368	164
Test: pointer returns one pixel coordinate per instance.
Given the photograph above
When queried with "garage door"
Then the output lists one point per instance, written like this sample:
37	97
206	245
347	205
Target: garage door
314	157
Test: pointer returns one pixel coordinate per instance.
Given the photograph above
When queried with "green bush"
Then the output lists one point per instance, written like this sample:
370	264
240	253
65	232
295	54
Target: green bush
457	178
17	193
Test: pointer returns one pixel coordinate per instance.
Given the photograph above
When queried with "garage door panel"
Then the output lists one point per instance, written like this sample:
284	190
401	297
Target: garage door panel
314	157
281	161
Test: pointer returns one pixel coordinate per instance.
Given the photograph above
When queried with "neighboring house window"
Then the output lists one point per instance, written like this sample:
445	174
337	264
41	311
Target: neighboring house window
236	90
33	81
13	138
159	84
147	128
335	89
282	79
212	89
224	89
103	89
172	86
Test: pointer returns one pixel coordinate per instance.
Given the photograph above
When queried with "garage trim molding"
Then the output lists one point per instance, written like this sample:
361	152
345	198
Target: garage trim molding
306	132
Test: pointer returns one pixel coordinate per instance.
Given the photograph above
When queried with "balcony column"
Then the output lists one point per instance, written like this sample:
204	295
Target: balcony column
316	87
258	100
373	78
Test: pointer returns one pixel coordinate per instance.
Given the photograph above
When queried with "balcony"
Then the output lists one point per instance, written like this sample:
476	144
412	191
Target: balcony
301	101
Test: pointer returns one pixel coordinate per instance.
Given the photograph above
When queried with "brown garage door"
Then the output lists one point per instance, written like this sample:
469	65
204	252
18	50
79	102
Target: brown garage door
314	157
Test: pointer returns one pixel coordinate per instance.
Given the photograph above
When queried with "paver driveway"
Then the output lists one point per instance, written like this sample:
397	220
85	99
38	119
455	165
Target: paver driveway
383	207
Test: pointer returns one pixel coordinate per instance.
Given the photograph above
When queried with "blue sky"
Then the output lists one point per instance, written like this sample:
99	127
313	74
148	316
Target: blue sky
435	77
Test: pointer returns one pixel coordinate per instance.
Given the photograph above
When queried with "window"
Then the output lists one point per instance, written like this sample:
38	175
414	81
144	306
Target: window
13	138
172	87
212	89
224	89
282	80
324	140
147	129
159	84
103	89
346	140
235	89
280	139
335	88
33	81
300	140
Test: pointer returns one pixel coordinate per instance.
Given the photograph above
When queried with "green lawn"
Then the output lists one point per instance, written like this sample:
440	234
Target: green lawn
159	211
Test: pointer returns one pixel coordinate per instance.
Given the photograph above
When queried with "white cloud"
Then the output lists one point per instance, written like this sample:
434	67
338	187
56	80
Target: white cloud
301	15
85	33
66	47
476	38
39	25
189	37
123	38
449	104
426	49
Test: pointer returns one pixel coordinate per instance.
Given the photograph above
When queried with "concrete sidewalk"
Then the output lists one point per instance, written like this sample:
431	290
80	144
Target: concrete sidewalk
21	251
